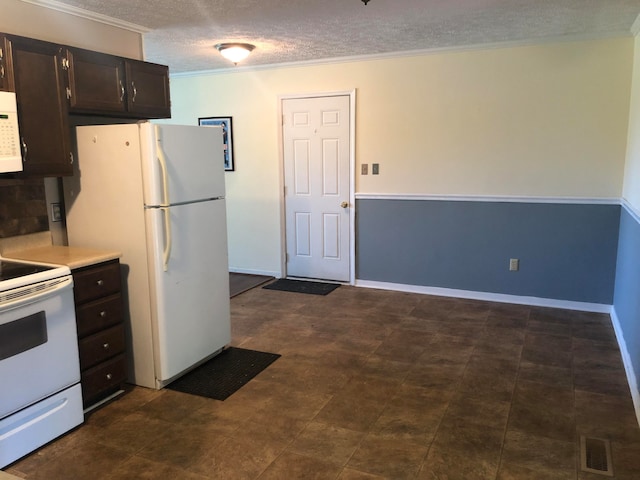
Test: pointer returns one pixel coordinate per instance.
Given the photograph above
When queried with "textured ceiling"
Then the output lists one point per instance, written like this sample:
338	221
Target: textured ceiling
182	33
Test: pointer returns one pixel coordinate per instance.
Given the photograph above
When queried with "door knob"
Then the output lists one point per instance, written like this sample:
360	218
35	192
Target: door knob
344	204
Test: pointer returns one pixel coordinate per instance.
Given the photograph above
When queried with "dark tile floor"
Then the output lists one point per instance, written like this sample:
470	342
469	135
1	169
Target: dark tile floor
376	385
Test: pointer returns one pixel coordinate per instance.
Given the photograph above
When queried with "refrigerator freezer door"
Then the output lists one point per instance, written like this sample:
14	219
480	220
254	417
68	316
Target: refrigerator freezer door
193	160
192	295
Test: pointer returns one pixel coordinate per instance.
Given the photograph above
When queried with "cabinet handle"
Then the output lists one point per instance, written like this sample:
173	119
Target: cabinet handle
109	376
121	91
24	151
103	314
105	346
100	283
135	92
1	71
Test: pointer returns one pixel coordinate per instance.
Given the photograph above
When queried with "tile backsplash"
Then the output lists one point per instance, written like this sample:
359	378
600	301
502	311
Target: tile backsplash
23	207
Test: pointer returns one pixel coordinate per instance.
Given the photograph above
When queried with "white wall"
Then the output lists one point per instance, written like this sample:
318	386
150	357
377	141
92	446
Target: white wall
546	120
34	21
632	169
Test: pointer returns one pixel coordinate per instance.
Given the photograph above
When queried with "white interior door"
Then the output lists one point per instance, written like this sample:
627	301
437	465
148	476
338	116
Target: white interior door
317	181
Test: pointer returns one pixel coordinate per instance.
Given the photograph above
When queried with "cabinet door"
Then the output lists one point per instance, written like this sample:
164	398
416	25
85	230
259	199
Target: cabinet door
148	89
42	107
6	65
96	82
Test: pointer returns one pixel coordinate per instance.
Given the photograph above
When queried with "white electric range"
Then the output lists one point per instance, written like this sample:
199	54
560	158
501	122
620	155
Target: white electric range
40	394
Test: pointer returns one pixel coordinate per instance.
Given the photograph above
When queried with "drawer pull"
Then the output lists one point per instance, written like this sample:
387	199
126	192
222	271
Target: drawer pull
109	376
100	283
105	346
103	314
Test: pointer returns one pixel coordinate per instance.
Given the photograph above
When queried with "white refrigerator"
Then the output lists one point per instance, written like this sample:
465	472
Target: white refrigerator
156	194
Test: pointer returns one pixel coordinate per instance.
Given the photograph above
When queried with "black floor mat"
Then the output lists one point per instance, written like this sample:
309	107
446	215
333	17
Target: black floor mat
224	374
302	286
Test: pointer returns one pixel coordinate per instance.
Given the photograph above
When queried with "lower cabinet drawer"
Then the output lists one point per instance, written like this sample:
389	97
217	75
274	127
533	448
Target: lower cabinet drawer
102	378
98	347
96	282
97	315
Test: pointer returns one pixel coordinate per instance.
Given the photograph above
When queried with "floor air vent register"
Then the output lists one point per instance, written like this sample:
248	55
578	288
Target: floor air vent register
595	456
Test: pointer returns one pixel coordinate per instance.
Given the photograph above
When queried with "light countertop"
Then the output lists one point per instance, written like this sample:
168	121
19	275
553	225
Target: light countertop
73	257
7	476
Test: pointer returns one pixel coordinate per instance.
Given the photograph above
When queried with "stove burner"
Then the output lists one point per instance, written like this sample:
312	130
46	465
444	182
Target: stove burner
9	270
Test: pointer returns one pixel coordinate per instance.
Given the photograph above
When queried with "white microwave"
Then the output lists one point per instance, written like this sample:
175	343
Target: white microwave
10	155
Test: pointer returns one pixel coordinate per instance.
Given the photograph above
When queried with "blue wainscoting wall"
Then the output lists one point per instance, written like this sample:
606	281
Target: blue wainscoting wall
626	301
566	251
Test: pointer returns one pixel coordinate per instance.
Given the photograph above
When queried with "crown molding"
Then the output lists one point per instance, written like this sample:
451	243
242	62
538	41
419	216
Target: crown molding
96	17
635	27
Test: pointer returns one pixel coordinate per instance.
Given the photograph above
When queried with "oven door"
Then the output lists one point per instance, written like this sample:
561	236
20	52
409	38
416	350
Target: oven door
38	343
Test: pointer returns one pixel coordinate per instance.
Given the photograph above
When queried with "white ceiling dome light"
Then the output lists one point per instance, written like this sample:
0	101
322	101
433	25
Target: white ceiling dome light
236	52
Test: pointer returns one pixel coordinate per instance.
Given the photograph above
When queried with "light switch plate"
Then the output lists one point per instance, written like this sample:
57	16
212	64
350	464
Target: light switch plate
364	168
375	168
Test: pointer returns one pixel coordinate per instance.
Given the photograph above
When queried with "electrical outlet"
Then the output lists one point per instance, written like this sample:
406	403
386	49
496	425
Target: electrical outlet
514	264
56	212
375	168
364	169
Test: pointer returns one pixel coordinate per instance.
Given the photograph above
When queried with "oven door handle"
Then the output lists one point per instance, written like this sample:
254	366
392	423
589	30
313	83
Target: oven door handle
21	297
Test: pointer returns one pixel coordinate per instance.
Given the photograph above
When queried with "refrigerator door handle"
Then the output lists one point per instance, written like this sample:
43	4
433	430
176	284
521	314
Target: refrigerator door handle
166	254
163	168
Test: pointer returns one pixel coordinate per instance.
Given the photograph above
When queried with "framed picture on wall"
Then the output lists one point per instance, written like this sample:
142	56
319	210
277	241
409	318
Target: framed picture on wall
227	138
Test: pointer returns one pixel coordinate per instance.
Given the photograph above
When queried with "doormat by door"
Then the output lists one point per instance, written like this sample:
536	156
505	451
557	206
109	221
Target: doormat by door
224	374
302	286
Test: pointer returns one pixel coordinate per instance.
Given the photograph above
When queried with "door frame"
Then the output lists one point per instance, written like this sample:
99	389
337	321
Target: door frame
352	176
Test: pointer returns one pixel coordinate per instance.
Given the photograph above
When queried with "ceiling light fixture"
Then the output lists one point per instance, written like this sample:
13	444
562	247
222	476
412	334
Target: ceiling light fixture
236	52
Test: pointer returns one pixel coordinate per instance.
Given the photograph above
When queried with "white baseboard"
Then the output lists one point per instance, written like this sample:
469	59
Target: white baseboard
628	366
255	272
490	297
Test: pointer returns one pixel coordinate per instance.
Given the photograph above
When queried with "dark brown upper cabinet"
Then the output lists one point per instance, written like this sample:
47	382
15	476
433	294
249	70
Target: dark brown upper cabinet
42	107
96	82
104	84
6	65
52	81
148	92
